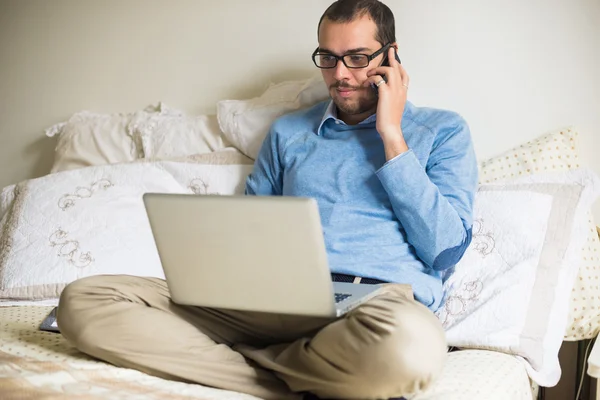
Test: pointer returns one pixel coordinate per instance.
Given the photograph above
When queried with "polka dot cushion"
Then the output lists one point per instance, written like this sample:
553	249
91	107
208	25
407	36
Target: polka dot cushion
557	151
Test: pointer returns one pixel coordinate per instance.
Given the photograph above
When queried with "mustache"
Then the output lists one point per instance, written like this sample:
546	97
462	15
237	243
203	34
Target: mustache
342	84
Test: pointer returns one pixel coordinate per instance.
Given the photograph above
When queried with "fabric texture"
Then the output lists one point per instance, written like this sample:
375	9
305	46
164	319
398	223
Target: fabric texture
114	318
510	292
389	220
558	151
91	221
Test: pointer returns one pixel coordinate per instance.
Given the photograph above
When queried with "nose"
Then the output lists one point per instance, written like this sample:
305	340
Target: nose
341	72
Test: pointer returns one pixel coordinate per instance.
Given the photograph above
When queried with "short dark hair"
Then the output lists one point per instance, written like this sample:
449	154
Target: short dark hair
348	10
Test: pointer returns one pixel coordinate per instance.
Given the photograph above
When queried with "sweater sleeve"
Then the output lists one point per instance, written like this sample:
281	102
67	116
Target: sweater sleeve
266	178
435	204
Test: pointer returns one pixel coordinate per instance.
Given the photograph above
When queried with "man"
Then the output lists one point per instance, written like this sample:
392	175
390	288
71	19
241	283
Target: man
395	187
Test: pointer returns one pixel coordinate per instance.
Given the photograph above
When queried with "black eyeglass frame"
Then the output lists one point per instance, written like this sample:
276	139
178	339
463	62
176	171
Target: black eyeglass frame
338	58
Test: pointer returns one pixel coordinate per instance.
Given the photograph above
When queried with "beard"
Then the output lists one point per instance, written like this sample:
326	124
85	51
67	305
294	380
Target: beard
365	101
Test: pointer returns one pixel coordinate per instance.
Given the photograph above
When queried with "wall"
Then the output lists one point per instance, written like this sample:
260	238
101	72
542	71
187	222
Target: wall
513	69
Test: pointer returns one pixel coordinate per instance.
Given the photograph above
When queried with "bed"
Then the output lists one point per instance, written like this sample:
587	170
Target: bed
42	365
522	288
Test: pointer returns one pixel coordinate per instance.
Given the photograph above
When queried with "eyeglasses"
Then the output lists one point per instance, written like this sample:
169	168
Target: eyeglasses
328	60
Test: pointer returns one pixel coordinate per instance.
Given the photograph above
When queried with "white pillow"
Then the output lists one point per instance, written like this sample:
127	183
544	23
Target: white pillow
92	221
557	151
174	134
245	123
510	292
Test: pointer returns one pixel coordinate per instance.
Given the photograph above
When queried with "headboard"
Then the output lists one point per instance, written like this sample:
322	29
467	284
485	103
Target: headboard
513	69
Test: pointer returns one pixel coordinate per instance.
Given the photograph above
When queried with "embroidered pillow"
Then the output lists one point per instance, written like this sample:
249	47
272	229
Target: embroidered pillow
554	152
91	221
511	290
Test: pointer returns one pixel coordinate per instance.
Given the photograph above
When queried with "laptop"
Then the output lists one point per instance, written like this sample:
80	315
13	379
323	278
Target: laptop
252	253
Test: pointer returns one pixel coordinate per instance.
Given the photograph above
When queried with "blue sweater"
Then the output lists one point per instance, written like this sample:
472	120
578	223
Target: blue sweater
406	220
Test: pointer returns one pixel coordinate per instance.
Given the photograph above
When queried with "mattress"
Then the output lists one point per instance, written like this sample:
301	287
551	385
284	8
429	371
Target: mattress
42	365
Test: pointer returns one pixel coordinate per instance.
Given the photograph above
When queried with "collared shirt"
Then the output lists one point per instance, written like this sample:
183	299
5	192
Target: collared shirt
331	113
404	220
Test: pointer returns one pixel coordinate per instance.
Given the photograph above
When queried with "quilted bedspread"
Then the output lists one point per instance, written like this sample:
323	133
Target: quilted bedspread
36	365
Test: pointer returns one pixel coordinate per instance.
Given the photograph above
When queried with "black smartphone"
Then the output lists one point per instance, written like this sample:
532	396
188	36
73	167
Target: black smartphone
386	63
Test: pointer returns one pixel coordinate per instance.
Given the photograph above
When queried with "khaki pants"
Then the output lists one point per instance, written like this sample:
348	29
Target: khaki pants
389	347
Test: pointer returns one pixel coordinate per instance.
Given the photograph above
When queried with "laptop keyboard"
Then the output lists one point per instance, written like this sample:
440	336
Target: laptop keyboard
341	297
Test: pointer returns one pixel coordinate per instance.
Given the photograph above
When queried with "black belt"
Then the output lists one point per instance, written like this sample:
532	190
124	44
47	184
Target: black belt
352	279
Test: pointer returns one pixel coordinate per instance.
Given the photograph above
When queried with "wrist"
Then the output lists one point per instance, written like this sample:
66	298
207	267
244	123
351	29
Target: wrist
394	145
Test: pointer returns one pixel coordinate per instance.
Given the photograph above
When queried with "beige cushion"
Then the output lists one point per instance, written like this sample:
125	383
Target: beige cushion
174	134
88	139
557	151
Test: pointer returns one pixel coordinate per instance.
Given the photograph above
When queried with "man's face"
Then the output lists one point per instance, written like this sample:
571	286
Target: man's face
349	89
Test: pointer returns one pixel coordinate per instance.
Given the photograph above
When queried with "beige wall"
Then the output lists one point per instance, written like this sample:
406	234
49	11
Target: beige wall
514	69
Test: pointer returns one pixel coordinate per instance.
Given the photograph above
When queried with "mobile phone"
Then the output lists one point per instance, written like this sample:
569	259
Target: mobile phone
386	63
49	323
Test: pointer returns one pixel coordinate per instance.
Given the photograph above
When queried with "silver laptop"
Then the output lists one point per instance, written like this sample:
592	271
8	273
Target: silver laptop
253	253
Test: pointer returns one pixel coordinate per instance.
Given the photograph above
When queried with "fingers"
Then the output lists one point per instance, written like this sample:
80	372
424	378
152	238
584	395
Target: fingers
404	77
381	71
392	57
395	74
391	71
376	80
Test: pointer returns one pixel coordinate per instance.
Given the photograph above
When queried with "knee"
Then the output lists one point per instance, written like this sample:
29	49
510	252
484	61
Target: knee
406	353
76	307
419	349
76	288
76	291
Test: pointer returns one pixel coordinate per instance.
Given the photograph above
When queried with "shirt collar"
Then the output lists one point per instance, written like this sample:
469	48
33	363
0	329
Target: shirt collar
331	113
